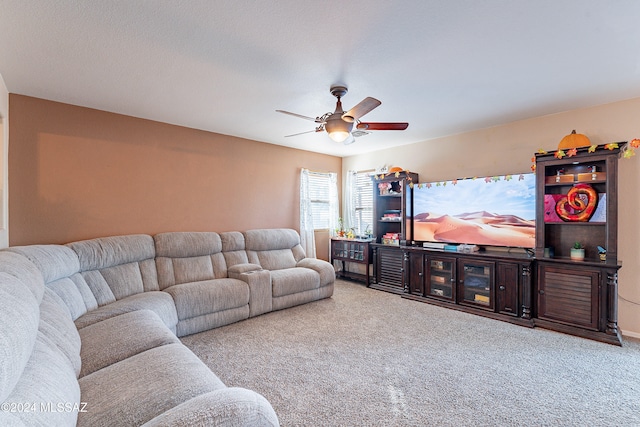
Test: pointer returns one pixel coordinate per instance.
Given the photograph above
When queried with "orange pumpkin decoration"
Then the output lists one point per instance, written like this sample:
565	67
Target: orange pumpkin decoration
395	169
574	140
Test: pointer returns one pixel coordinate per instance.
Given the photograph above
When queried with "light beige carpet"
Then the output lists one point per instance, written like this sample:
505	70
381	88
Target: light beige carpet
369	358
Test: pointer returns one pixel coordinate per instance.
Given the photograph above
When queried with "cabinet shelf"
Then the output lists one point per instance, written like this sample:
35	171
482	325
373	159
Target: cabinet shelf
574	224
572	183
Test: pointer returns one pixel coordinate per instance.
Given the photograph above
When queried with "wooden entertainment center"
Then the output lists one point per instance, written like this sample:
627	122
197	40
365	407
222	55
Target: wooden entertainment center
544	287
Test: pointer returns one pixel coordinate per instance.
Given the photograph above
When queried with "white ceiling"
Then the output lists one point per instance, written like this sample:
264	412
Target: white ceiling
445	66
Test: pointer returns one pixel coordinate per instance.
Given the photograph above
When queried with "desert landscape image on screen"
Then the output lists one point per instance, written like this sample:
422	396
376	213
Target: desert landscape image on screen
491	211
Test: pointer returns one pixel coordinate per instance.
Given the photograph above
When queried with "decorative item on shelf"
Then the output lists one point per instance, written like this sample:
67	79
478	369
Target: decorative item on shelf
602	253
628	150
578	205
391	239
574	140
340	230
384	188
392	215
395	171
577	252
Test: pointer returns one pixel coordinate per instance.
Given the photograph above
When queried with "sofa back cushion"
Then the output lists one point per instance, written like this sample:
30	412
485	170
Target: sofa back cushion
117	267
274	249
21	290
184	257
39	348
60	269
233	248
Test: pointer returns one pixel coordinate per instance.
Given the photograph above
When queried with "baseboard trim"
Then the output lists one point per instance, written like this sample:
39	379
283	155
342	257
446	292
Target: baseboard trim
630	334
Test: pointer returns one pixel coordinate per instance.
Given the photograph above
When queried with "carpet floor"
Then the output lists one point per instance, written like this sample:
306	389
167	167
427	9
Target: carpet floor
370	358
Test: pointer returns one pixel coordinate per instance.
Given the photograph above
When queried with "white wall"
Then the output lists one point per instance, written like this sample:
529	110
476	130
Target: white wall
508	149
4	151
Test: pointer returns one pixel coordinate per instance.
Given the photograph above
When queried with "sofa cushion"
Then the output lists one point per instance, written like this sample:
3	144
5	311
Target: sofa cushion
60	268
54	261
225	407
273	249
293	280
117	267
211	321
24	270
323	268
19	320
149	331
183	257
159	302
126	393
48	381
57	326
233	248
209	296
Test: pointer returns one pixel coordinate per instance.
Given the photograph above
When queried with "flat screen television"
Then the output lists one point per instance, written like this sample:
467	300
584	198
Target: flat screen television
488	211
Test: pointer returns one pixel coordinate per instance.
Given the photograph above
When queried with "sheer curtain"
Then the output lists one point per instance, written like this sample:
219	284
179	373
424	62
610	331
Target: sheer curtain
319	206
307	237
334	205
349	208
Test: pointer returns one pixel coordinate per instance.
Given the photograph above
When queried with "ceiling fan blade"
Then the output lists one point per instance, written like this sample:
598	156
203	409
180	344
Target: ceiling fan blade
318	129
317	119
361	109
382	126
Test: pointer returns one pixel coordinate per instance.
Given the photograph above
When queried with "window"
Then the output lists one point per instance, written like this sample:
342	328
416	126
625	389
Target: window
318	200
360	202
320	197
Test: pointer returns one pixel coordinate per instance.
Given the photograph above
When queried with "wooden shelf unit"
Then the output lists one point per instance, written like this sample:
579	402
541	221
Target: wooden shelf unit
578	297
357	251
393	202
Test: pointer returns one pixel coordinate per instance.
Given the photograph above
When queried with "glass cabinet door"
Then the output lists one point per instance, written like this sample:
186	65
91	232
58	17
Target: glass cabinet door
476	283
356	251
441	277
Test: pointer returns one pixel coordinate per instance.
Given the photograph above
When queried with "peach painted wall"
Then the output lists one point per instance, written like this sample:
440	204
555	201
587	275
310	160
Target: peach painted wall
508	149
78	173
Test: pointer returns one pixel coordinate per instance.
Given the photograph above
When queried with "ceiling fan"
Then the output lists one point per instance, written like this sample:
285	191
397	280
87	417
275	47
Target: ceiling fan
339	124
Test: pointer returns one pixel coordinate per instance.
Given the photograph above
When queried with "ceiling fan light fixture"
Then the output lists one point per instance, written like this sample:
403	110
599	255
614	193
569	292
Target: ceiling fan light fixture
339	136
338	129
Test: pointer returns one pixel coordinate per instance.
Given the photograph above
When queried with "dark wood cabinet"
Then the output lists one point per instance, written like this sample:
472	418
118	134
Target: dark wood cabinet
578	296
388	268
441	277
511	279
357	251
494	285
475	283
417	272
550	289
569	295
579	299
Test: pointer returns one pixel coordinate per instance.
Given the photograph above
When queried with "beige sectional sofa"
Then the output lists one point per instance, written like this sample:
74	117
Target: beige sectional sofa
89	330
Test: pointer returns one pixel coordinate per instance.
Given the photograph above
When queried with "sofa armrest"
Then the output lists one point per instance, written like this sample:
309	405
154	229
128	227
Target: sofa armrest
224	407
235	270
260	291
323	268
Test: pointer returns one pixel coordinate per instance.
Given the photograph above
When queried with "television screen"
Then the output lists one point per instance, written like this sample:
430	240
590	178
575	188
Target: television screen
491	211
